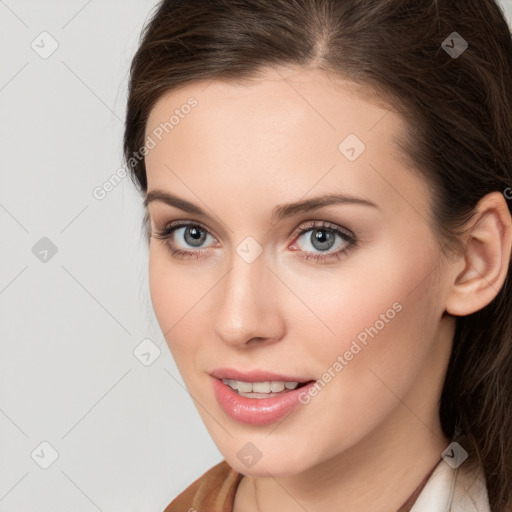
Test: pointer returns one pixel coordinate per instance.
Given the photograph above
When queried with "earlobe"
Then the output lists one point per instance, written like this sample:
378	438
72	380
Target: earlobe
487	258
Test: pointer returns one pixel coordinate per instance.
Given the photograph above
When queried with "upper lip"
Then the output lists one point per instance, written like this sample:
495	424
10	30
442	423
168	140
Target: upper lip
254	375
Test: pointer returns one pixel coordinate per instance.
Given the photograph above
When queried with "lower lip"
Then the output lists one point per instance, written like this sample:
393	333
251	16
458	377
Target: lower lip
256	411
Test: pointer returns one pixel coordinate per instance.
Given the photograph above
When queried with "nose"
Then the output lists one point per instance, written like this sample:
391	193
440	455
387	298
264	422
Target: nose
248	305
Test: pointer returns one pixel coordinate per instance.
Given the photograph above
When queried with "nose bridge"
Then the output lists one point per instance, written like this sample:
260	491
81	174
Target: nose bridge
247	301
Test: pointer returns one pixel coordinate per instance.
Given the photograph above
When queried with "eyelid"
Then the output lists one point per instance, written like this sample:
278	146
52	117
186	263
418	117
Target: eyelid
322	224
184	223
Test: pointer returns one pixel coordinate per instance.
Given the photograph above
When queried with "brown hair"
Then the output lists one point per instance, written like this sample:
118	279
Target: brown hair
458	111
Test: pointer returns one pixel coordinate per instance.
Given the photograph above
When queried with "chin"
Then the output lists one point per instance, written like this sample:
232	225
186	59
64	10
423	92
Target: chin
279	461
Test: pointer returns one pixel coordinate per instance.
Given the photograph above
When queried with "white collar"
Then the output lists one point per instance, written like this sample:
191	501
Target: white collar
453	490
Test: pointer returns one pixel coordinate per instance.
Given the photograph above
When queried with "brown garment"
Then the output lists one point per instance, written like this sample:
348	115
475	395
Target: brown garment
215	491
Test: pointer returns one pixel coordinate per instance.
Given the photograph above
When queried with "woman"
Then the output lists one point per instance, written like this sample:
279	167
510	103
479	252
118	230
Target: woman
327	187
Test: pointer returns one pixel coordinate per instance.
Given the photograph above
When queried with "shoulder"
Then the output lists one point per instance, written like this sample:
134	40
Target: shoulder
461	489
213	491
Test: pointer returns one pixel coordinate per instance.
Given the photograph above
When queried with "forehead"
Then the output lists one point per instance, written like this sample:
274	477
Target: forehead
286	130
297	92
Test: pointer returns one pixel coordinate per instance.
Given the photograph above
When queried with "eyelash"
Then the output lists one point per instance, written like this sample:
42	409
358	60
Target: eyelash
168	230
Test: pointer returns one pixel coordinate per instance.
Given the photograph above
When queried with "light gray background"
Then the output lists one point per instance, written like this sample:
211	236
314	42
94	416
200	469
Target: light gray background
126	432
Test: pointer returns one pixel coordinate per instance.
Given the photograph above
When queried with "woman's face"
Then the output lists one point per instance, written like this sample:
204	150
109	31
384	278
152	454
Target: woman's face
355	302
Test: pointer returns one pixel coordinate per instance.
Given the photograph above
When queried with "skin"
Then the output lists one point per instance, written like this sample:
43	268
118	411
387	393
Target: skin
245	149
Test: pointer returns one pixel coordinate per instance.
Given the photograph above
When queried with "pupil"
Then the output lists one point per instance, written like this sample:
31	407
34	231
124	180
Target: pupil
322	236
197	236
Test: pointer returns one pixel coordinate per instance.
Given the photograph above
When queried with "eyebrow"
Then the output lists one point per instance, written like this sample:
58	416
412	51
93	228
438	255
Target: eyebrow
280	211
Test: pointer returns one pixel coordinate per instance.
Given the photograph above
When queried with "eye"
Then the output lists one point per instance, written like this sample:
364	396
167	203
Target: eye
323	238
193	234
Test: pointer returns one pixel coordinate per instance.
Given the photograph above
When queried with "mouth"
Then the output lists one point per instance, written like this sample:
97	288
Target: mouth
256	400
265	389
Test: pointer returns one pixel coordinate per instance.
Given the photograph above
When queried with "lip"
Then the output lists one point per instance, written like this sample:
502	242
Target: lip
254	376
256	411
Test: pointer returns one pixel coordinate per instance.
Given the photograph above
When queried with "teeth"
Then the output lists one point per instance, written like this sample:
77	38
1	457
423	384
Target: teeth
244	387
275	386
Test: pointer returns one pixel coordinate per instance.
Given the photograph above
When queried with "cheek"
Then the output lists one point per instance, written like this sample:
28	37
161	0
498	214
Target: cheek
337	301
380	312
163	296
171	298
372	359
180	298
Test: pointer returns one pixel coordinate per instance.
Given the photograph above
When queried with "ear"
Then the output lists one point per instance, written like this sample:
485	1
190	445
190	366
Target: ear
488	246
